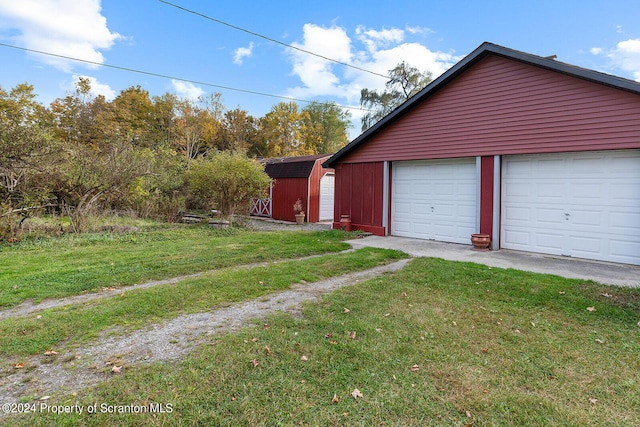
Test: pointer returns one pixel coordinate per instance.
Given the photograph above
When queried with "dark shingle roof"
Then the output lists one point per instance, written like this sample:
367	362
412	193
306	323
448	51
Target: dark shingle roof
291	167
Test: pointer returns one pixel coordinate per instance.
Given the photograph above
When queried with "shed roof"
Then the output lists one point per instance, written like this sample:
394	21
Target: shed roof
548	63
292	167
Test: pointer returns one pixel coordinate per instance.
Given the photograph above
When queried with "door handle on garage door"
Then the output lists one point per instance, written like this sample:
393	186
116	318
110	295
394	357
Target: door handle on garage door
566	216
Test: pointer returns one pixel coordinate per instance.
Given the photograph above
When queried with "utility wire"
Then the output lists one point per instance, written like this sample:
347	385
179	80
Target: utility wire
164	76
270	39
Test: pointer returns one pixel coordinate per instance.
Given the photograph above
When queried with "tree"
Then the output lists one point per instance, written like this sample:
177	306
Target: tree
239	132
325	127
404	82
27	148
199	125
282	129
227	182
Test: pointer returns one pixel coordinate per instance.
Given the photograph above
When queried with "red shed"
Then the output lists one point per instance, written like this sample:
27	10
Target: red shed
541	155
303	178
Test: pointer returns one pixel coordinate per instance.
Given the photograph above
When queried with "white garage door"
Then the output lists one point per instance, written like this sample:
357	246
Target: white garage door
434	199
326	197
584	205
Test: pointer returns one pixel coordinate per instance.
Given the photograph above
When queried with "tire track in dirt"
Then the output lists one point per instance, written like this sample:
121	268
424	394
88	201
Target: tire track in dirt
165	342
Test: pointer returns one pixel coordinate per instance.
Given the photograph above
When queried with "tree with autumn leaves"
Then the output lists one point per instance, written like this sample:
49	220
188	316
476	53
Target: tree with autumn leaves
84	154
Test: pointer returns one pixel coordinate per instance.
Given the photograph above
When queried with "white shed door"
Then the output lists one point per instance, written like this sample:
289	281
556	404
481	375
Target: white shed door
584	205
434	199
327	189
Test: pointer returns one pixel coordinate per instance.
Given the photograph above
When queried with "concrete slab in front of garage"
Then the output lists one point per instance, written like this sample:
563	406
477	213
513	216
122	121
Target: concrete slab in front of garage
603	272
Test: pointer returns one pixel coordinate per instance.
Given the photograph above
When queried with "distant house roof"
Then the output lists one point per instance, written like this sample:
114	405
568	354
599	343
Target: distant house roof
479	53
291	167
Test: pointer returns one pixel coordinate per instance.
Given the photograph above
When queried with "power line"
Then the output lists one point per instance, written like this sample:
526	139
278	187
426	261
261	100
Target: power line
235	27
164	76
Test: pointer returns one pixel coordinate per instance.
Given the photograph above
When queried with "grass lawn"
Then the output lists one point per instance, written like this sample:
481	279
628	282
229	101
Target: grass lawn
438	343
79	323
70	265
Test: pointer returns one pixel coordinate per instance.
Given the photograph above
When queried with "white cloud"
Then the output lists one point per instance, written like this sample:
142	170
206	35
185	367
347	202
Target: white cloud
380	51
187	90
97	88
374	39
374	50
624	56
73	28
241	53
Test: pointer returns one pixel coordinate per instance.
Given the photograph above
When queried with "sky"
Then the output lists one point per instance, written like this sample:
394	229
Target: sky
240	48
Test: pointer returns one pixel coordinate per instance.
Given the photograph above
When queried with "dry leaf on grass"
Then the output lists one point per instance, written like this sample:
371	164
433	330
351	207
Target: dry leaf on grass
415	368
267	351
255	363
592	309
352	335
116	369
50	353
606	295
18	365
254	339
335	399
304	358
346	310
593	401
356	393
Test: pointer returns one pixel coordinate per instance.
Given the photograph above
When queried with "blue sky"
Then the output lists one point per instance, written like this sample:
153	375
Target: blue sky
152	36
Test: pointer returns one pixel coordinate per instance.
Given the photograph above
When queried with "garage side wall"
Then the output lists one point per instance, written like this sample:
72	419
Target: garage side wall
359	194
285	193
502	106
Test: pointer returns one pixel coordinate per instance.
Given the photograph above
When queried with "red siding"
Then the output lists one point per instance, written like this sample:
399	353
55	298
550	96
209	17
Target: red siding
285	193
359	193
314	189
486	194
502	106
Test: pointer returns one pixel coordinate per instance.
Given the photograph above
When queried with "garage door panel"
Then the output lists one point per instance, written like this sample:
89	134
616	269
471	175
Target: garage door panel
403	188
589	207
517	214
586	192
549	242
620	249
625	193
518	189
555	166
421	209
588	220
550	216
437	199
467	211
517	239
625	222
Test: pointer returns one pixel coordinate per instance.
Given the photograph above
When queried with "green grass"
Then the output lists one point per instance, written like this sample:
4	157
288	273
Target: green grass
70	265
52	328
494	348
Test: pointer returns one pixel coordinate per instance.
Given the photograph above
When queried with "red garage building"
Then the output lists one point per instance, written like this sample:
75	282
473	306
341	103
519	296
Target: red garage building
303	178
541	155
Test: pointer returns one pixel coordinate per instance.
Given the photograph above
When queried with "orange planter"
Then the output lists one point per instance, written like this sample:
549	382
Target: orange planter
481	241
